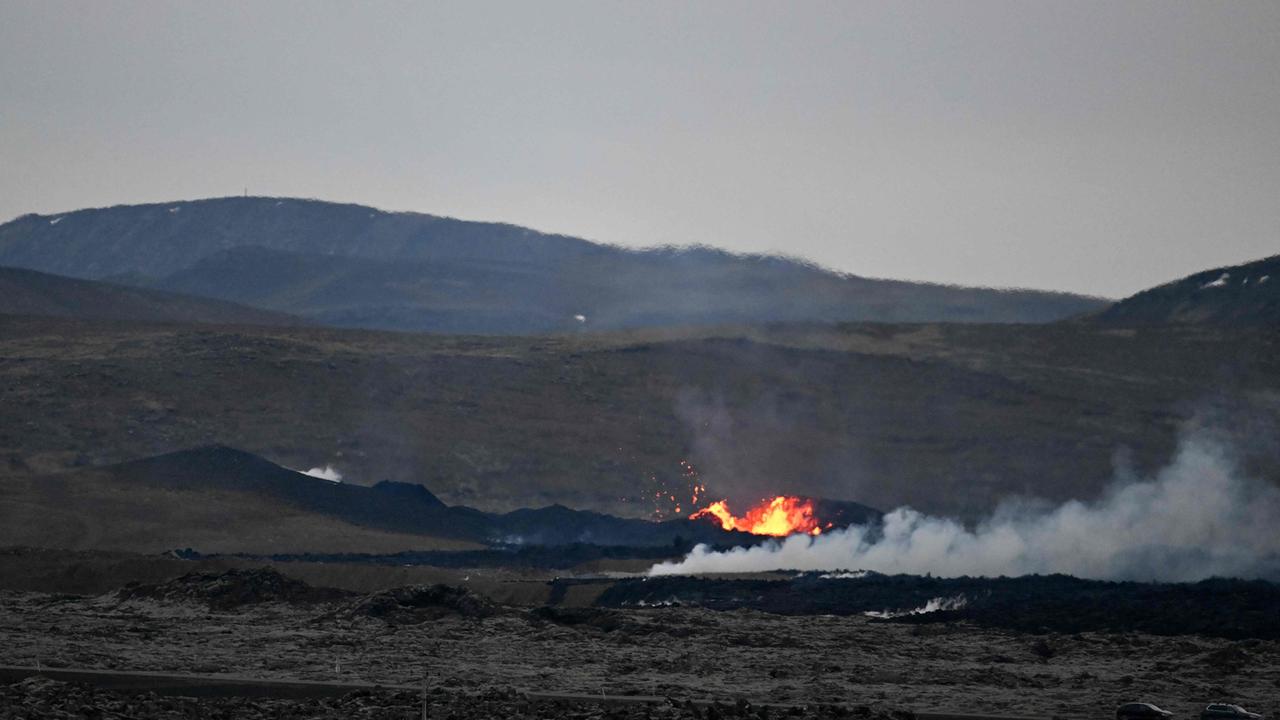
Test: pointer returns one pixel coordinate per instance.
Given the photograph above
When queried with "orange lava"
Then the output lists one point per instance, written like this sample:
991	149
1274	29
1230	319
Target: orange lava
783	515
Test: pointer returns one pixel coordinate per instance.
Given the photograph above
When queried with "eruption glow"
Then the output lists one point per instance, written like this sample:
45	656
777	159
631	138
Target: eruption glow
1197	518
780	516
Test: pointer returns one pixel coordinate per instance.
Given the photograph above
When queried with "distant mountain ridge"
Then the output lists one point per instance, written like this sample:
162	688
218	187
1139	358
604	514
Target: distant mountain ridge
28	292
1246	294
357	266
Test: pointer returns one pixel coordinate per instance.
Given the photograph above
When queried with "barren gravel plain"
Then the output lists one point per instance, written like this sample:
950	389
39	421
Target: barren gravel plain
682	653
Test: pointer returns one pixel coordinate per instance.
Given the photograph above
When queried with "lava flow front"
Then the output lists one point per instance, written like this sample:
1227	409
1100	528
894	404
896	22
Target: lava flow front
783	515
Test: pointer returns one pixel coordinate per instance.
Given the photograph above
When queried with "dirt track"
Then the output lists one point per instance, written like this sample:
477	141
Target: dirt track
667	651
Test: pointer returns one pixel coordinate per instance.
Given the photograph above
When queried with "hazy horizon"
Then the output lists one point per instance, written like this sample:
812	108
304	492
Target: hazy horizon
1093	147
777	253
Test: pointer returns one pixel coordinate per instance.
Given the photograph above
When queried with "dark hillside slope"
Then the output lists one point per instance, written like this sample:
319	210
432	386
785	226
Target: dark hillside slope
358	266
219	499
220	468
158	239
617	290
947	418
448	296
27	292
1243	295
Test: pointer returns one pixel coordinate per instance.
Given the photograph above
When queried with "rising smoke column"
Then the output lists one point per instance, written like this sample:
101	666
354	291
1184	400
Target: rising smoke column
1196	518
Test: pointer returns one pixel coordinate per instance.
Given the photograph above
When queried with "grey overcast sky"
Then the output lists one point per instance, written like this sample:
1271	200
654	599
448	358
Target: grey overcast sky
1095	147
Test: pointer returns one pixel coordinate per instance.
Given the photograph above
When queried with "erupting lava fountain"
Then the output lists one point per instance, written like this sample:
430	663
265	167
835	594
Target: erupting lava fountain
783	515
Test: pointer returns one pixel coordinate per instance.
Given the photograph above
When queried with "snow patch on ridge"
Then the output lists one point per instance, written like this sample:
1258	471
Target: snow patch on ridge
1220	282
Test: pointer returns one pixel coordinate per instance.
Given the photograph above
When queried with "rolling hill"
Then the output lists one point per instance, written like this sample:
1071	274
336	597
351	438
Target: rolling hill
950	419
1238	295
357	266
26	292
219	499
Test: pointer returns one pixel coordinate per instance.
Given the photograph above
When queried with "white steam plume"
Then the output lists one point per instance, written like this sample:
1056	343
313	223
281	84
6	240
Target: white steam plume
1196	518
328	472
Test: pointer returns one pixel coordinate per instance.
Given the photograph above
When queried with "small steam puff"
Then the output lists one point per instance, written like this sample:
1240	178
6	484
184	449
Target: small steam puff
1196	519
328	472
934	605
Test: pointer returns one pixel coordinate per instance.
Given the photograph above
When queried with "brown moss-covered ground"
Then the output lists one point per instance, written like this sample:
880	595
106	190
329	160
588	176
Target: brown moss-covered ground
949	419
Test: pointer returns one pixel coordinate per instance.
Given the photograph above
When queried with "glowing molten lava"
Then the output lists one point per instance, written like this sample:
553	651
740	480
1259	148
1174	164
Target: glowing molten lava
780	516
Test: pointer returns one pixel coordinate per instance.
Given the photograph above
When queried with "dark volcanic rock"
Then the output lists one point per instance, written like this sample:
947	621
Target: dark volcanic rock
1038	604
42	697
608	621
231	589
593	618
415	604
554	557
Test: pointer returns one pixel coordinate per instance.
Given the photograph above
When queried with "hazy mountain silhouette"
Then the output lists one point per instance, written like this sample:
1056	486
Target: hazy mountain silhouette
27	292
358	266
1246	294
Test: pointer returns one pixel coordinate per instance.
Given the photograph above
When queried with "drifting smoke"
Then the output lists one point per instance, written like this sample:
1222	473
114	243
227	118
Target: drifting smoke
328	472
1196	518
934	605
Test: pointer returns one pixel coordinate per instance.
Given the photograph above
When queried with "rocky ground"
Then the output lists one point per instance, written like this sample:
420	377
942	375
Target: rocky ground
45	698
466	647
